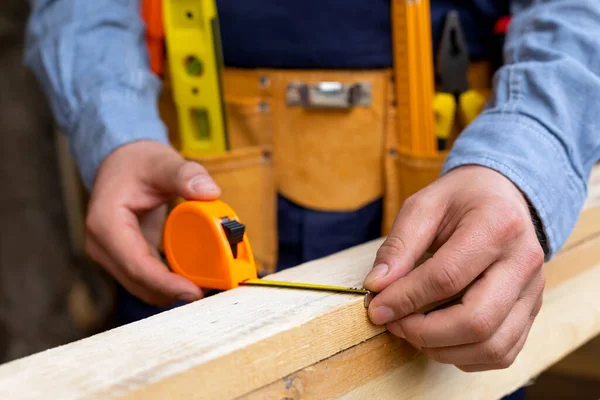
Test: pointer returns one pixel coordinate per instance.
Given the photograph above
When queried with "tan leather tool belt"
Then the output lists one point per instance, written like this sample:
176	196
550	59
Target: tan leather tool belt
326	130
326	140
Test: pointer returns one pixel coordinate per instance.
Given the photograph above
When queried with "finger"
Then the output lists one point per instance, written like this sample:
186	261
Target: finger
497	348
185	178
116	229
412	233
466	254
506	361
152	226
485	305
98	254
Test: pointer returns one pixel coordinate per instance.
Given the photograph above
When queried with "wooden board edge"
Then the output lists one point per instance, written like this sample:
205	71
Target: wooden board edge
570	318
582	363
352	318
587	225
345	371
188	381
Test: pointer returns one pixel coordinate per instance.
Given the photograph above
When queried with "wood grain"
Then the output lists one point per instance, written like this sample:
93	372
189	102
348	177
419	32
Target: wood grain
236	342
270	332
587	225
582	363
570	317
392	367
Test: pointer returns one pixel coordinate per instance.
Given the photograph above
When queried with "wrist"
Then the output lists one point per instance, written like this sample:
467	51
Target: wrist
485	173
528	154
112	120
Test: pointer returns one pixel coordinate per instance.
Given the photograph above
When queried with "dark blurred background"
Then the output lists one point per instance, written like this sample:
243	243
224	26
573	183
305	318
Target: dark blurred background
50	294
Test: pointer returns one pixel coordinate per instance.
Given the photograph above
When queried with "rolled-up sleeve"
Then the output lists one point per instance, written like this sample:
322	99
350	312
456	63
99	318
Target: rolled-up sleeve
91	61
541	128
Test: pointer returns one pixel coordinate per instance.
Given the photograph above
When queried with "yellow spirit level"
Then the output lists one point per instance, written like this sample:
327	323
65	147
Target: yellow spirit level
191	33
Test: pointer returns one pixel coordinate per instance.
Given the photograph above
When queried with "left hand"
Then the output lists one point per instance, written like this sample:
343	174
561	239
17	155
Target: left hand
479	228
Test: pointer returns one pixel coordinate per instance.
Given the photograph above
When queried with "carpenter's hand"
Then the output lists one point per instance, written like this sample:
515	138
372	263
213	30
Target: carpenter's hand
479	226
127	212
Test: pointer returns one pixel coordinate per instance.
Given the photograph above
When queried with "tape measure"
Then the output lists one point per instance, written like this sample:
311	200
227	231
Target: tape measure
206	242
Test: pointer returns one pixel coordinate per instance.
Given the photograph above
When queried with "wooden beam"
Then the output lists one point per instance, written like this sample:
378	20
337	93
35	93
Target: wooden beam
248	339
582	363
225	345
586	226
387	367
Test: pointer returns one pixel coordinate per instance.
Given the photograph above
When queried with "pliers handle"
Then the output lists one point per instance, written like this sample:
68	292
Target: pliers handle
453	93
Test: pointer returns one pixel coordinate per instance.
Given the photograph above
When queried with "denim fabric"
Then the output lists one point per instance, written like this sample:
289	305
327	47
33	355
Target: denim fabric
539	129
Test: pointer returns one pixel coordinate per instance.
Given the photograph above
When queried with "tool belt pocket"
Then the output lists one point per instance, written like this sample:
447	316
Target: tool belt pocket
405	174
327	153
249	123
245	176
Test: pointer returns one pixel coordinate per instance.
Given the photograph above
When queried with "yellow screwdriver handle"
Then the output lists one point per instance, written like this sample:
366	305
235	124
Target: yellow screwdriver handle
444	107
471	104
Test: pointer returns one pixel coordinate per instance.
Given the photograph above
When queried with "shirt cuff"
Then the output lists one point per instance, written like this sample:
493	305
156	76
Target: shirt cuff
528	154
115	117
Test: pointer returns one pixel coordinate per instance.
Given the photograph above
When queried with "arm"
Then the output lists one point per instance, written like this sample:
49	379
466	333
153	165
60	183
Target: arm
90	58
532	149
540	128
91	61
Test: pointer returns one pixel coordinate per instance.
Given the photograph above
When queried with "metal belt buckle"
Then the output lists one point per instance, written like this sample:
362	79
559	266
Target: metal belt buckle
329	95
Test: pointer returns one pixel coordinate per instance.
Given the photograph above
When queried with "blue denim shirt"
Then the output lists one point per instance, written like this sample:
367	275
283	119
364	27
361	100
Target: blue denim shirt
540	128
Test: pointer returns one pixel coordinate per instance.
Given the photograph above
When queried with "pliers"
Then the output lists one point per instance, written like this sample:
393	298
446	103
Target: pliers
452	91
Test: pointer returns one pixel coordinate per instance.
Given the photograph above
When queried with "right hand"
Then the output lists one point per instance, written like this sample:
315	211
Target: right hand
126	215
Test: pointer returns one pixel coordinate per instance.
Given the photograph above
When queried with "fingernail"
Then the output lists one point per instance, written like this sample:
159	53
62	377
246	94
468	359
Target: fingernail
382	315
378	271
368	298
188	297
203	184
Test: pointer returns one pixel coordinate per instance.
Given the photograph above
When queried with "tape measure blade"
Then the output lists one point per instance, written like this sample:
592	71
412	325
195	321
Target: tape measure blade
306	286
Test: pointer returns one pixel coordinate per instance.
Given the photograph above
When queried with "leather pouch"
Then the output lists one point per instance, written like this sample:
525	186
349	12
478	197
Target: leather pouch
329	159
245	172
405	174
247	99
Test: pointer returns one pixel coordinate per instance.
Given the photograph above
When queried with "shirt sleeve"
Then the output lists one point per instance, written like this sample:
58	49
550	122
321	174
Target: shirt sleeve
90	59
541	126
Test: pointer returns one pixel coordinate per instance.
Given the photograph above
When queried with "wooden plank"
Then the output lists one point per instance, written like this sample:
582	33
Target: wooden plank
570	317
236	342
271	332
387	367
586	224
263	334
593	198
582	363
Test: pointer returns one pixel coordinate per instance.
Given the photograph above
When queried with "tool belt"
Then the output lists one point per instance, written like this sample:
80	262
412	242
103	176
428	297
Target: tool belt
326	140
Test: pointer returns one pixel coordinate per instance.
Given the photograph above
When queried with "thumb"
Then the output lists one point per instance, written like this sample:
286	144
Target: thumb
186	179
412	233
